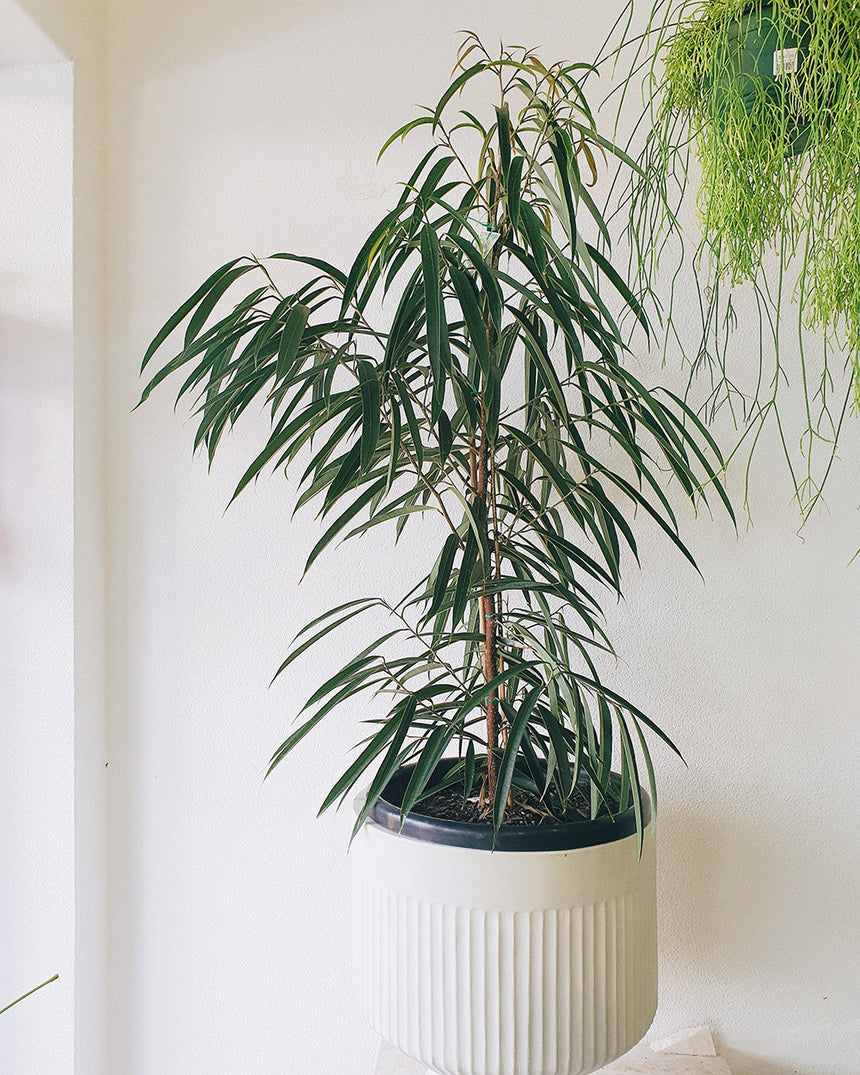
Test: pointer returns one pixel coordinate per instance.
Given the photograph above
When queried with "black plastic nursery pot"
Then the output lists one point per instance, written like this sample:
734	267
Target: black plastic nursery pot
479	836
757	61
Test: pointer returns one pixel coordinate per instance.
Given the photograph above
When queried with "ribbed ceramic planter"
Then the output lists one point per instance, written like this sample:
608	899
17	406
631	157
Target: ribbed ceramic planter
506	962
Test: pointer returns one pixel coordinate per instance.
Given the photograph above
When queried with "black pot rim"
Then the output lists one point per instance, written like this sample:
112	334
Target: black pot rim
564	836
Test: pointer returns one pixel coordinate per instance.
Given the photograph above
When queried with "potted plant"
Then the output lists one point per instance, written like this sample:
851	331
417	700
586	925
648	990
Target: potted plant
503	856
766	93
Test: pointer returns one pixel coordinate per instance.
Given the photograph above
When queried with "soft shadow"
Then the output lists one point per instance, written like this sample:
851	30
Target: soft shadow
168	38
34	356
753	913
747	1064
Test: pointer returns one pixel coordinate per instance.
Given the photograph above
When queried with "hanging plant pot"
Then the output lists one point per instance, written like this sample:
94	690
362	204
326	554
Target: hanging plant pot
536	958
768	93
757	105
761	65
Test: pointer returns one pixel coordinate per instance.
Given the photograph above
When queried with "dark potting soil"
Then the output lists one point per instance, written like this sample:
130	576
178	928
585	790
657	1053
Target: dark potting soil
526	809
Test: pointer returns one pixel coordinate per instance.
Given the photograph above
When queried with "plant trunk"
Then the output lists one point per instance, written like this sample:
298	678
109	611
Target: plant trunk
488	624
486	487
492	703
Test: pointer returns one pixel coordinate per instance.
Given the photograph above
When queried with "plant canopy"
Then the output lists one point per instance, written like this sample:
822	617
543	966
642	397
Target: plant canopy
495	394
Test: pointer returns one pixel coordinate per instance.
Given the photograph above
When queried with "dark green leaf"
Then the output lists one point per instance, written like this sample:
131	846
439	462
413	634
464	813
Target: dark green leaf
295	323
443	572
179	316
370	405
509	758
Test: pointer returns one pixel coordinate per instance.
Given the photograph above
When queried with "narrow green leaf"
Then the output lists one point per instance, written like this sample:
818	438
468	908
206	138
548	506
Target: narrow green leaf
534	234
503	126
455	86
446	436
464	578
509	758
470	304
401	132
390	762
210	301
332	612
353	773
469	771
630	760
389	516
411	420
370	407
489	280
299	734
293	654
394	447
620	286
343	520
479	696
430	756
513	189
295	323
443	572
179	316
565	781
543	361
365	256
330	270
440	362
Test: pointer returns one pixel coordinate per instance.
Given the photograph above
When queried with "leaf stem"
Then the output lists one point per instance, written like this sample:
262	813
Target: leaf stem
29	993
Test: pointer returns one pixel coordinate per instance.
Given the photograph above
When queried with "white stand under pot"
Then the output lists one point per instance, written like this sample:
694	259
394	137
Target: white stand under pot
523	962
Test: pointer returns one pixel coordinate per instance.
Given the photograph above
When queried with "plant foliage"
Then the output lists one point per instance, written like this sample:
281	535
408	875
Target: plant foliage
778	195
495	394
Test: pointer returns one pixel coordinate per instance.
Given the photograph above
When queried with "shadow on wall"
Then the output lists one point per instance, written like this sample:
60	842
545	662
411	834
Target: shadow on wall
166	38
747	1064
745	884
756	902
35	361
34	356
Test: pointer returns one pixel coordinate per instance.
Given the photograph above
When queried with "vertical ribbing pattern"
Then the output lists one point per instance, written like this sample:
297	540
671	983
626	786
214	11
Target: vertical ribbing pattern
558	991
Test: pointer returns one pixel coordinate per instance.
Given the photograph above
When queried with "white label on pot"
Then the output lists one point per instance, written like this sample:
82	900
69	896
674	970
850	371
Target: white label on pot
784	62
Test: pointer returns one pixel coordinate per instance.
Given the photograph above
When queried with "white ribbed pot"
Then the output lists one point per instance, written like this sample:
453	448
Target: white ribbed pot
505	962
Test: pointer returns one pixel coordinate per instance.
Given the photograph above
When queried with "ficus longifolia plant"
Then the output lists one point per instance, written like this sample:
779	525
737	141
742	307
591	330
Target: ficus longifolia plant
495	392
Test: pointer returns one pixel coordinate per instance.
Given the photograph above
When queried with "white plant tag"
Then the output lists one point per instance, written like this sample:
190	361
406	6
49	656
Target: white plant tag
392	1062
696	1041
785	62
486	237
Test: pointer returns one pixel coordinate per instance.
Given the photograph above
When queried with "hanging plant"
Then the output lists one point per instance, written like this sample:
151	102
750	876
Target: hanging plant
771	93
767	96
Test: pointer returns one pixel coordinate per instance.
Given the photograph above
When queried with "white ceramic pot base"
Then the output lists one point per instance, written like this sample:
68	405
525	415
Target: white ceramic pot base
505	963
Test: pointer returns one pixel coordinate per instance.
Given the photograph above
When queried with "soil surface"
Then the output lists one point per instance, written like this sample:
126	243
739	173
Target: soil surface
526	809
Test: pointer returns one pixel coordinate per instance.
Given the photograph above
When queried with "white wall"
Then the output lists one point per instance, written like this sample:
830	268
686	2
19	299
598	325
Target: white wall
36	626
77	29
255	127
23	40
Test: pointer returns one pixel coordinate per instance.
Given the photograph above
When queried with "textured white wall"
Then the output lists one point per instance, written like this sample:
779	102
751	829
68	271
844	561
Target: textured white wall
36	627
253	128
23	41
